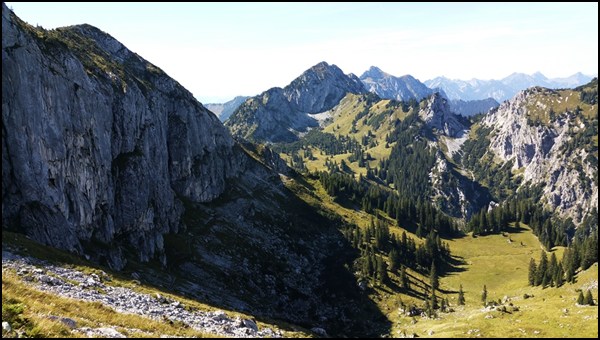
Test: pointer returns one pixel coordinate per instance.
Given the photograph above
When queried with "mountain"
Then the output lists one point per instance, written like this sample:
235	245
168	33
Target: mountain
503	89
283	114
438	115
575	80
389	87
472	107
107	157
548	136
111	143
406	88
473	89
224	110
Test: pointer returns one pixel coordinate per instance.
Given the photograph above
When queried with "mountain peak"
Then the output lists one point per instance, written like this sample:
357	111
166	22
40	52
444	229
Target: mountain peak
438	115
374	72
388	86
279	114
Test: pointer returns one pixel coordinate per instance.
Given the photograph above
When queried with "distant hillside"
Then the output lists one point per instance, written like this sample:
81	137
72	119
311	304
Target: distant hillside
224	110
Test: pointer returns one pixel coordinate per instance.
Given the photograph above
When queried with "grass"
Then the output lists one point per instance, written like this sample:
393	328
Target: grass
539	105
486	260
503	268
38	305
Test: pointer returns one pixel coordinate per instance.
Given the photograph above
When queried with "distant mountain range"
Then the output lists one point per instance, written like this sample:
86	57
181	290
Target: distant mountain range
502	89
466	97
224	110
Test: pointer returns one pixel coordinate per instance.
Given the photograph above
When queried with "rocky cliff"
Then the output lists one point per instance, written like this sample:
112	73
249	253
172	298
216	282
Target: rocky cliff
549	136
281	115
99	146
106	156
437	114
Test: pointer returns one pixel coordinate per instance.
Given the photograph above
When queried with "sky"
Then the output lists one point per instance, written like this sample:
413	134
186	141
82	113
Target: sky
221	50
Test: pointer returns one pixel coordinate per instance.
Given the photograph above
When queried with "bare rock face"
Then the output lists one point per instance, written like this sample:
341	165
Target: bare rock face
99	145
438	115
546	152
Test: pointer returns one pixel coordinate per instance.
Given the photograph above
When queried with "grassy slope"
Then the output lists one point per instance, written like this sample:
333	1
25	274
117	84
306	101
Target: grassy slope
38	305
342	118
503	267
492	261
559	101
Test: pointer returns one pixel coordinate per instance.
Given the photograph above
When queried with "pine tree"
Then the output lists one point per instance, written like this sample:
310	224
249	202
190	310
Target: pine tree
550	272
404	282
558	278
394	260
541	270
484	295
382	274
532	272
588	300
433	300
461	296
567	263
433	277
580	298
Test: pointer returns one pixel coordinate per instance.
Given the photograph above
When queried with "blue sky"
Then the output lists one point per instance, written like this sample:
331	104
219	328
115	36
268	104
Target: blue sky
218	51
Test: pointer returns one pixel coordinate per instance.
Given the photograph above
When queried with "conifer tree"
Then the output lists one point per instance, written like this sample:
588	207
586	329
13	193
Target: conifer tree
382	274
433	277
550	272
588	300
541	270
404	282
484	295
532	272
461	296
580	298
433	302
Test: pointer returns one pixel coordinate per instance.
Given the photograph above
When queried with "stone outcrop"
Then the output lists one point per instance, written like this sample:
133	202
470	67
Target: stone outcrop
541	150
99	146
438	115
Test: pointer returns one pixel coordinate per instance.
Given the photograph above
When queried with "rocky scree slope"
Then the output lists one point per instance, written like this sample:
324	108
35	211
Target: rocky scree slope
281	115
72	283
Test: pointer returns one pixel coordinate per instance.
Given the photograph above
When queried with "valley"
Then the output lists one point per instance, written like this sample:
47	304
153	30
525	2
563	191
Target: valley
333	206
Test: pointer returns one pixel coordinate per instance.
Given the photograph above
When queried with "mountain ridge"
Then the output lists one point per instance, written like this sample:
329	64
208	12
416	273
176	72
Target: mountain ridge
282	114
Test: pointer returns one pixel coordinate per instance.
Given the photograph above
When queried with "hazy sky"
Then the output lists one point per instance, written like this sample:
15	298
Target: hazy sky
218	51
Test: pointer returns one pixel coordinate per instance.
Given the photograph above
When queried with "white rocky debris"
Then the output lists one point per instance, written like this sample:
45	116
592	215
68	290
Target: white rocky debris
75	284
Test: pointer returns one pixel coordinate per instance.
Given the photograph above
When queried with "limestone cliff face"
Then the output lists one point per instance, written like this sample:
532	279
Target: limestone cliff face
438	115
548	135
98	145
